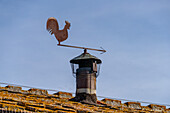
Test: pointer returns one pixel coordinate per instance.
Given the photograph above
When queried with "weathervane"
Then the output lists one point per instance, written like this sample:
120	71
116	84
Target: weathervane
61	35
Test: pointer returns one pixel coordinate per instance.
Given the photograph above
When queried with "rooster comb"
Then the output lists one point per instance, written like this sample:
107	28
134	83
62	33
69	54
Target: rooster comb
67	22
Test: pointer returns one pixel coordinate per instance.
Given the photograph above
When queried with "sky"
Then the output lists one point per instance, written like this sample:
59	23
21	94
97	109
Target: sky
134	33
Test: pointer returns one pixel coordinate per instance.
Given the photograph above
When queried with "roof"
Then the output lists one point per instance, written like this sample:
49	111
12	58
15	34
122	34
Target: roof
13	98
85	56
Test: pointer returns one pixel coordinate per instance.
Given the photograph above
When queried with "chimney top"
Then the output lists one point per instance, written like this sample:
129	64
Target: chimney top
85	56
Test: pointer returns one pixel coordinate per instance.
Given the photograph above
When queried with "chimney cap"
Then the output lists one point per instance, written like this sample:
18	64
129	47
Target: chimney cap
85	56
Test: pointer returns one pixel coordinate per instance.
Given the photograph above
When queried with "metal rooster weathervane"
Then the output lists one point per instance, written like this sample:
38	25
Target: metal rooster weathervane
61	35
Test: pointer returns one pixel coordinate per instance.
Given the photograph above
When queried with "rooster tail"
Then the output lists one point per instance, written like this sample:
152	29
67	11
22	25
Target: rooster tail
52	25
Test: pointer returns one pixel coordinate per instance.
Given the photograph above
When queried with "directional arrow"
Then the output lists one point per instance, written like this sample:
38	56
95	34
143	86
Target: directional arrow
85	48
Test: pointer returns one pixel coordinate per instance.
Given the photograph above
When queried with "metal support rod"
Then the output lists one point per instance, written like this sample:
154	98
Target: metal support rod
82	47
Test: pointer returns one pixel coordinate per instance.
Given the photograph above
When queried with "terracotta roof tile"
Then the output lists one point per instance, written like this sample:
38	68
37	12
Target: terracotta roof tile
37	100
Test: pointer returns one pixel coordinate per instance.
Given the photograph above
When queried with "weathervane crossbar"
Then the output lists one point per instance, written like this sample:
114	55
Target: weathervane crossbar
102	50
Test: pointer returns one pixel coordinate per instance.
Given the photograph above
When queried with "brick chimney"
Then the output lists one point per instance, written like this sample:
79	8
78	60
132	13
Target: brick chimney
86	73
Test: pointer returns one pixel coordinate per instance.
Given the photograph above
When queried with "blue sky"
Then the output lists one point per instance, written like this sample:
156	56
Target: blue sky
134	33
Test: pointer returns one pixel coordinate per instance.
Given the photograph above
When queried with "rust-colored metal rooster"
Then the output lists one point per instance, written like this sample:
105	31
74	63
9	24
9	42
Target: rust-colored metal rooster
53	28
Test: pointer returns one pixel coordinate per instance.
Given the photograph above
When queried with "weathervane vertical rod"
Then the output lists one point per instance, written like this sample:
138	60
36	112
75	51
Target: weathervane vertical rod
82	47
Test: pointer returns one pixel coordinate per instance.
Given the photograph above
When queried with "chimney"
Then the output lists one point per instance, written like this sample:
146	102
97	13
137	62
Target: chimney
85	69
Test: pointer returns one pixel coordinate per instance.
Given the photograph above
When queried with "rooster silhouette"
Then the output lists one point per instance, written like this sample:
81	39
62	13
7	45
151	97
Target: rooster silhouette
53	28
